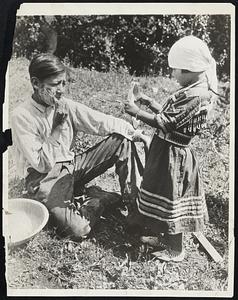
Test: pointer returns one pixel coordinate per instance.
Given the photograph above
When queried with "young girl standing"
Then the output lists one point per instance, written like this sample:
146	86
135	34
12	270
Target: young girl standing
172	199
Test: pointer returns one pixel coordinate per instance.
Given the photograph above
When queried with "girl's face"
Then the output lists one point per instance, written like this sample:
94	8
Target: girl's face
178	76
182	78
51	89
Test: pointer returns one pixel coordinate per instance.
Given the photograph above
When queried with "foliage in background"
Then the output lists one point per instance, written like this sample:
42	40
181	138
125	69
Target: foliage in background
139	43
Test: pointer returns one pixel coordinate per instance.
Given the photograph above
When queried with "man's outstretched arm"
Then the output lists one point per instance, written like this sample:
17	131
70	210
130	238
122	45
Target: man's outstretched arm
97	123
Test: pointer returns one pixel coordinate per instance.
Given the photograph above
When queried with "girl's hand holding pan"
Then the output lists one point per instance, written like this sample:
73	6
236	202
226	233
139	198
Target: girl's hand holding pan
135	95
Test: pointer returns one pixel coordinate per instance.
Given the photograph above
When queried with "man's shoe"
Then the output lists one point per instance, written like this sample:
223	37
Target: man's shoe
169	255
154	241
108	200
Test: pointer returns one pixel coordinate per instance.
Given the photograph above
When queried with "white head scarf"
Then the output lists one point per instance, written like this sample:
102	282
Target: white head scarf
192	54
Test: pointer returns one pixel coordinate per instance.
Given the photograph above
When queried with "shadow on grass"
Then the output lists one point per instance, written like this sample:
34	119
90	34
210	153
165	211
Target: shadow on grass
111	233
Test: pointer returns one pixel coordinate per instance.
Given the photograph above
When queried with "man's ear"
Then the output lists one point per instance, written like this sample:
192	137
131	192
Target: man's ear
35	83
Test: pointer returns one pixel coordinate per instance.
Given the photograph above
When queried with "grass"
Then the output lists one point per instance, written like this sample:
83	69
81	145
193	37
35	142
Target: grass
110	258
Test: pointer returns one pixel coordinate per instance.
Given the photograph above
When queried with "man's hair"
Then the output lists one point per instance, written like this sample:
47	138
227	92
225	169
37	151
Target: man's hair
45	65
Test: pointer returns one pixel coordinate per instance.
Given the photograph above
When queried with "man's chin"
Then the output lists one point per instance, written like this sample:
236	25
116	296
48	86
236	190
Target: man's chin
57	99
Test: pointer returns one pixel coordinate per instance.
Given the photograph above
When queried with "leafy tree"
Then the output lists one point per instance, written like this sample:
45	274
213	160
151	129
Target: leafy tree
219	34
138	42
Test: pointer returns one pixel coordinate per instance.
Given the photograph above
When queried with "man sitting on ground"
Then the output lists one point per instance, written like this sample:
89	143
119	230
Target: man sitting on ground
44	128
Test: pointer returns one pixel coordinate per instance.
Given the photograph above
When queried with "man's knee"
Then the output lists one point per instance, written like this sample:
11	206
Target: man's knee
69	222
119	137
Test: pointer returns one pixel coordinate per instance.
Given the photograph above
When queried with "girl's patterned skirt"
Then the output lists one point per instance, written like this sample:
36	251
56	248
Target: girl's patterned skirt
172	197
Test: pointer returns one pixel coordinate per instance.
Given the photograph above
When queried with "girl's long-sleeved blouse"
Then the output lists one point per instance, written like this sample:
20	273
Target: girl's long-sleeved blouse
184	114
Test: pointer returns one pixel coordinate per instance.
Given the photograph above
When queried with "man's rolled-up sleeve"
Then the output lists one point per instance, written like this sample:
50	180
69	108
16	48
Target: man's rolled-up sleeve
97	123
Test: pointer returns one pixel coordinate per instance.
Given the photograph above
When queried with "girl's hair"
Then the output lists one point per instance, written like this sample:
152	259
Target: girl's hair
45	65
